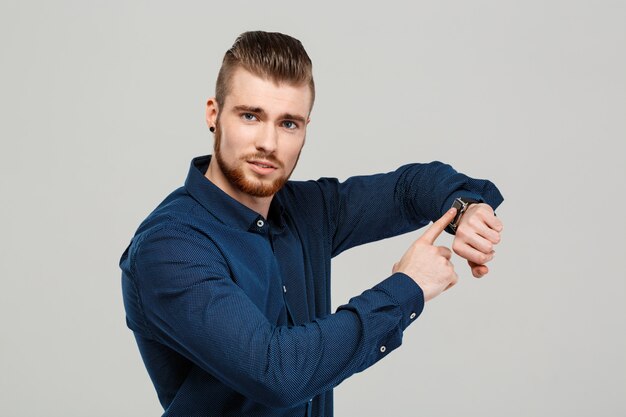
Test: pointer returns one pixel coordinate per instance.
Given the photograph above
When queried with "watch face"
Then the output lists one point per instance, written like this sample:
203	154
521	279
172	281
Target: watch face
459	204
462	203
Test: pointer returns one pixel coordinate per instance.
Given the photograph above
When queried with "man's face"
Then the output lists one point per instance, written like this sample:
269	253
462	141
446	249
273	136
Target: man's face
259	133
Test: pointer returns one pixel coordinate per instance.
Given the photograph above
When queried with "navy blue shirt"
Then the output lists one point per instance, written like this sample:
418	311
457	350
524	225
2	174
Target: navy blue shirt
231	311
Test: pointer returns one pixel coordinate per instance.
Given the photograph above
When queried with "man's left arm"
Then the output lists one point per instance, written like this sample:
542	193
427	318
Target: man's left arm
363	209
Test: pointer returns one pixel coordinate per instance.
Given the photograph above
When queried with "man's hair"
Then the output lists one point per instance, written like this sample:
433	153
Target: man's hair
270	55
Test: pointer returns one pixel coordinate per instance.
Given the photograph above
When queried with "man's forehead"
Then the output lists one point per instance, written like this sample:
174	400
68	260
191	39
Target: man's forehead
251	90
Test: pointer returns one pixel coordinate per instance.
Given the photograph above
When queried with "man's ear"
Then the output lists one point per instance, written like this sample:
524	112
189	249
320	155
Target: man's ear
212	110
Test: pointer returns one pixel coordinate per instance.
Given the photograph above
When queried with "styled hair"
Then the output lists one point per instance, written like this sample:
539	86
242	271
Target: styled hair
270	55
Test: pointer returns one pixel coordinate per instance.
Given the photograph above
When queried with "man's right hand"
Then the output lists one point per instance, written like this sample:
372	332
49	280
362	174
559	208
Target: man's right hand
427	264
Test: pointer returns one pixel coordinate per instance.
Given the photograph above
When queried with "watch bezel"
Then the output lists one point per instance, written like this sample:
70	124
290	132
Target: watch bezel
461	204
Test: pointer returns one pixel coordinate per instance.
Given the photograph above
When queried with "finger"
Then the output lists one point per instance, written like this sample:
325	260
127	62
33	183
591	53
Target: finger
478	271
445	252
483	222
493	222
488	233
435	229
471	254
476	241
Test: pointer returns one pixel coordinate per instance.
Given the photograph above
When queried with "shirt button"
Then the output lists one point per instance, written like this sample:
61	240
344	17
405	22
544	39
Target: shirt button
284	289
311	400
260	223
413	315
383	349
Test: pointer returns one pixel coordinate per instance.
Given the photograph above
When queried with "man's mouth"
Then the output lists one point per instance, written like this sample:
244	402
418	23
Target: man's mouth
262	164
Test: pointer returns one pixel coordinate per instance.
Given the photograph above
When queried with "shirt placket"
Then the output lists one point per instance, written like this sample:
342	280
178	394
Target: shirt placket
290	315
288	253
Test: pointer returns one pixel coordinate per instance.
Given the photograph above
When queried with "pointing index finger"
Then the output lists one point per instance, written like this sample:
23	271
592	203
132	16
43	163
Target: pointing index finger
435	229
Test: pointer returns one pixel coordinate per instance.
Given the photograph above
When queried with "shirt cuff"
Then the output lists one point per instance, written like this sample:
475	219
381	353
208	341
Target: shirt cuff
407	295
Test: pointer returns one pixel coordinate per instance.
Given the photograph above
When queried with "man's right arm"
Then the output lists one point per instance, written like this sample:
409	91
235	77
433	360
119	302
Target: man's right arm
181	295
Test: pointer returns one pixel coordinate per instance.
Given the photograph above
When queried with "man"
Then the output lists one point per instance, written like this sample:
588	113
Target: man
226	283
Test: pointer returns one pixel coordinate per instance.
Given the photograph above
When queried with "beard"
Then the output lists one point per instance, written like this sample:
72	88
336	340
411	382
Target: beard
235	174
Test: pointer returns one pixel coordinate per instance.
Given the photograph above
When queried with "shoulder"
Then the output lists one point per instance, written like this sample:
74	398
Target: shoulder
177	222
171	252
178	211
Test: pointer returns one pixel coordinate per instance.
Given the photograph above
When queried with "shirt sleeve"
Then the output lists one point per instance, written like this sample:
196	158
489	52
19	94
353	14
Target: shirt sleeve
368	208
187	301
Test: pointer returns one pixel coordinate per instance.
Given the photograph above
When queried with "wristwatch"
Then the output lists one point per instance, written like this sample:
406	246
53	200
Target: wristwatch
460	204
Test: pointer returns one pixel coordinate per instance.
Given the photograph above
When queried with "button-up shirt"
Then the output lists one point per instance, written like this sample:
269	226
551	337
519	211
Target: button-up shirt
231	311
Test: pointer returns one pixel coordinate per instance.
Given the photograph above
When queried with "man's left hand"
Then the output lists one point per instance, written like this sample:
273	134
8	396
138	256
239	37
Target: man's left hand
477	234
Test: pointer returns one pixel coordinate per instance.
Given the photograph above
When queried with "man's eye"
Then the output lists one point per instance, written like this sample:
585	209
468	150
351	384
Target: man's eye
289	124
248	116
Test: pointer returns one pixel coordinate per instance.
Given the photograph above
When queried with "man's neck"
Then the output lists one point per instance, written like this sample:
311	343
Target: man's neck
260	205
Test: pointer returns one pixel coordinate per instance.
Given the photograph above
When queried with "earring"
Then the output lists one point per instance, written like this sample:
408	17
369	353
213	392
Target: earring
212	129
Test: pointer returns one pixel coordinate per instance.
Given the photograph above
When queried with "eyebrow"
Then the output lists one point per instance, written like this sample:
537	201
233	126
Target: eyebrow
260	111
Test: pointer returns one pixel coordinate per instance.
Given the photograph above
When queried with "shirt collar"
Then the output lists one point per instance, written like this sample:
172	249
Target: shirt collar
224	207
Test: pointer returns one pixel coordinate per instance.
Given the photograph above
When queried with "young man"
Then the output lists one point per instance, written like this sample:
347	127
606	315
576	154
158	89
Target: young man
226	283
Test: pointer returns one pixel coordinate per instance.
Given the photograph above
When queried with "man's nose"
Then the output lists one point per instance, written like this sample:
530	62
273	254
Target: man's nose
267	139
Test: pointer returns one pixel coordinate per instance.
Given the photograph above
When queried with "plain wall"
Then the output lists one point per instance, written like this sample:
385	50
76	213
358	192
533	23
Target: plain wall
102	109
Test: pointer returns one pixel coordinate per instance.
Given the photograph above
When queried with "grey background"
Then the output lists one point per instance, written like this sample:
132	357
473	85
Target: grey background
102	109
